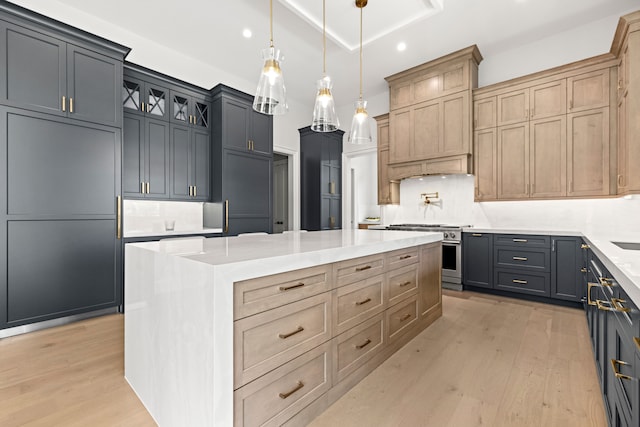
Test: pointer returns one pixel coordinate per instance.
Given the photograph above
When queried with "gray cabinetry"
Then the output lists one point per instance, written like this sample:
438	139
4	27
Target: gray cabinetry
477	269
321	179
522	264
567	267
47	73
189	163
241	162
145	98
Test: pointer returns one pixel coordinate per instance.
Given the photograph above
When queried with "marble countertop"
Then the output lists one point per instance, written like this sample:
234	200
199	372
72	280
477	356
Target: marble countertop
148	233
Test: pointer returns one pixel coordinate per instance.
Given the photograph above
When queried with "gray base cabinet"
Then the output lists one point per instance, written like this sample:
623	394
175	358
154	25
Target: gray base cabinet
567	266
477	258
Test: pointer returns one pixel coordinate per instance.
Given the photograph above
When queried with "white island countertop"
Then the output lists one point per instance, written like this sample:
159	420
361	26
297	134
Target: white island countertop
179	310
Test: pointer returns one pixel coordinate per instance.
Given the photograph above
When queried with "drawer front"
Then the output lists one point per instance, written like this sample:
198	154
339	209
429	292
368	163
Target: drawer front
522	240
402	283
523	282
354	270
402	317
267	340
627	313
282	393
510	257
264	293
402	257
358	301
354	347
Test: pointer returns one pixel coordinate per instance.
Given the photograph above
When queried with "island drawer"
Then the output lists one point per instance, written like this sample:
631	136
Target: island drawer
267	340
402	257
358	301
534	259
401	317
523	282
282	393
521	240
264	293
354	347
353	270
402	283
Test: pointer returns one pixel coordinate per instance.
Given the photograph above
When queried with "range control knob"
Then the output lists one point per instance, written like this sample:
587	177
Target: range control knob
452	235
446	235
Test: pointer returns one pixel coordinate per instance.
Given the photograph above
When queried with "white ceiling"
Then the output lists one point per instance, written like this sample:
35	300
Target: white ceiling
211	31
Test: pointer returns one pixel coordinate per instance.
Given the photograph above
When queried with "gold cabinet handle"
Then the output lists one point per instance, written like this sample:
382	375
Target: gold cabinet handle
332	222
298	386
64	103
405	317
118	217
405	257
142	107
190	191
585	246
195	191
521	282
603	305
589	287
403	284
520	240
142	187
637	341
364	344
332	188
363	301
616	373
583	270
148	187
605	281
288	288
476	235
71	105
226	216
520	258
292	333
617	305
366	267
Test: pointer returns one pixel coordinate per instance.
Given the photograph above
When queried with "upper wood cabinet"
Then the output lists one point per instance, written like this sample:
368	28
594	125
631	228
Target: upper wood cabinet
485	168
484	113
548	157
513	161
388	191
587	91
535	102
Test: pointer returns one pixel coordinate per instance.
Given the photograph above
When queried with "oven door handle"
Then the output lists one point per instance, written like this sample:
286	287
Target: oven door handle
451	242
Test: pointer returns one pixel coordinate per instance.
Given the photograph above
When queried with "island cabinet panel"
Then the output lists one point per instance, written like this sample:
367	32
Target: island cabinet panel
402	317
402	282
357	345
359	268
358	301
430	282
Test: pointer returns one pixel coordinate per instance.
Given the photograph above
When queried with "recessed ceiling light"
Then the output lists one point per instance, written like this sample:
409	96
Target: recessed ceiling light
247	33
402	46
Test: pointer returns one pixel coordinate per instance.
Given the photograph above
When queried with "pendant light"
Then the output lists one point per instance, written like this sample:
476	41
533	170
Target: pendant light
360	126
271	97
324	110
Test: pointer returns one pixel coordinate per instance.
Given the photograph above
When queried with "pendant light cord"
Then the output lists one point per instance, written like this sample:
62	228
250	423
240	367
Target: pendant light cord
324	41
361	52
271	22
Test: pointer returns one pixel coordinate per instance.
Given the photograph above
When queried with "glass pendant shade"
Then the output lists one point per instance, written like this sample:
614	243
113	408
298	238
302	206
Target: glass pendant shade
325	118
271	96
360	125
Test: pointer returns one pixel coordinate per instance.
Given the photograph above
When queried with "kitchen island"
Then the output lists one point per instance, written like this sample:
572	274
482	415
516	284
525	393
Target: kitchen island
249	329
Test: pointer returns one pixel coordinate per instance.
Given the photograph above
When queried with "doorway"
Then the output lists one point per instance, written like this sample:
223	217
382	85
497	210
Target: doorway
280	193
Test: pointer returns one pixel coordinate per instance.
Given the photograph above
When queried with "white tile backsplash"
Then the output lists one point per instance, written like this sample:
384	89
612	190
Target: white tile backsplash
150	215
457	207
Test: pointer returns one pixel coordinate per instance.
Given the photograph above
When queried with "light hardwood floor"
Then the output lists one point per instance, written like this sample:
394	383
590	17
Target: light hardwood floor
488	361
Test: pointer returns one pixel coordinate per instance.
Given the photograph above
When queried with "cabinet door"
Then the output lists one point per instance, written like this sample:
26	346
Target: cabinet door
180	177
430	278
235	124
548	157
133	91
93	86
513	161
330	213
485	164
587	91
200	164
35	69
384	190
133	155
549	99
513	107
180	107
157	155
262	133
477	269
588	153
455	125
484	113
400	132
426	130
156	101
566	261
623	147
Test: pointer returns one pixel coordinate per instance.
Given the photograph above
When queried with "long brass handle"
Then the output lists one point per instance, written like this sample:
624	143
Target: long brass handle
520	240
617	305
583	270
298	386
363	301
605	281
226	216
288	288
71	105
148	187
476	235
142	107
520	258
332	222
364	344
118	217
602	305
521	282
407	283
366	267
64	103
142	187
589	287
637	341
616	373
405	257
195	191
405	317
332	187
584	246
289	334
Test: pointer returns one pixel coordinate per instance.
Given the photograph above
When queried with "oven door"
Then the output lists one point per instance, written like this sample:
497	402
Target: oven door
451	262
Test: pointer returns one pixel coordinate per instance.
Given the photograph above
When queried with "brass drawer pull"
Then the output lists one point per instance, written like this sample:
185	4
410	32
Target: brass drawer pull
64	103
637	341
520	240
585	246
288	288
289	393
617	373
405	317
520	258
407	283
297	331
617	305
363	301
589	287
583	270
363	345
476	235
605	281
521	282
405	257
366	267
118	217
603	305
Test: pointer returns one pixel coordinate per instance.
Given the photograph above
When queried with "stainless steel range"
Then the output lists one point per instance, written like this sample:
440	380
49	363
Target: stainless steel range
451	250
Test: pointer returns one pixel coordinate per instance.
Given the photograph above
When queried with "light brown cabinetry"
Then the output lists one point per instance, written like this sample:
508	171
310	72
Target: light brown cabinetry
485	163
388	191
513	161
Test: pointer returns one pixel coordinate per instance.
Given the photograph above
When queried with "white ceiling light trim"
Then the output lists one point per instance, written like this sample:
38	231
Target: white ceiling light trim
382	20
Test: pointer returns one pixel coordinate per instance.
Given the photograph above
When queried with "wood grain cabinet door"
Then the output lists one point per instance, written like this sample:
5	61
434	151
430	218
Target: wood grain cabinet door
427	122
589	90
513	107
513	161
455	137
548	157
485	164
549	99
401	135
484	113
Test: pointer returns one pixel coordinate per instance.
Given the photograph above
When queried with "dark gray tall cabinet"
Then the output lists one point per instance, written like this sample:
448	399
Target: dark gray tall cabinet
60	130
321	179
241	162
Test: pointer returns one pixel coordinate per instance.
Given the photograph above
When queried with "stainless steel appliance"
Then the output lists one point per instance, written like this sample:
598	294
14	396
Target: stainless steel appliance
451	250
